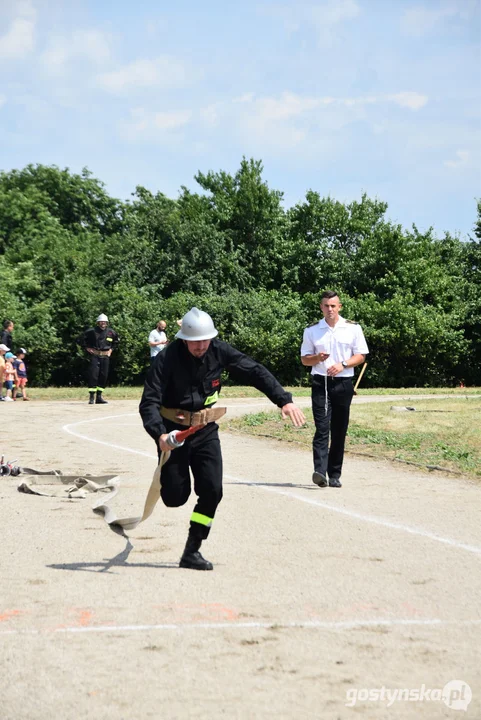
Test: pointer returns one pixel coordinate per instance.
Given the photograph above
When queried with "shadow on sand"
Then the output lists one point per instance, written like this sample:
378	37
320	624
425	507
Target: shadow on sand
119	560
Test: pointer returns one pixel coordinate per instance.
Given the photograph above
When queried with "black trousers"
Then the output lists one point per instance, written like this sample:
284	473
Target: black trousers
202	454
98	372
331	415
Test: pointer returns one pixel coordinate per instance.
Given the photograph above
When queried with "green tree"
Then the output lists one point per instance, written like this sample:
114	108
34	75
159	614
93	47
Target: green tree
251	217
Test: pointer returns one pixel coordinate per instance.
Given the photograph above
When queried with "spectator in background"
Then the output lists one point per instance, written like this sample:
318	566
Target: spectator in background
10	376
3	349
6	336
98	342
21	370
157	340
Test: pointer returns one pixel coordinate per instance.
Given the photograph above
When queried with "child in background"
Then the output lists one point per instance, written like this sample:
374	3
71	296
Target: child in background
9	376
19	366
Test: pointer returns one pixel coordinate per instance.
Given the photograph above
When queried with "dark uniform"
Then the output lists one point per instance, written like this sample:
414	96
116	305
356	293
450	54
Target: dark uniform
100	340
178	380
6	339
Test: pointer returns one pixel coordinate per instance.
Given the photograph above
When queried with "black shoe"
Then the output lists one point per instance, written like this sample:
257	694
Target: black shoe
91	398
195	561
335	482
99	400
319	479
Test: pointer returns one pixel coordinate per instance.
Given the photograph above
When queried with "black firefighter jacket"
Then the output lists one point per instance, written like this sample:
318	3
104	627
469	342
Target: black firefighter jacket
178	380
99	339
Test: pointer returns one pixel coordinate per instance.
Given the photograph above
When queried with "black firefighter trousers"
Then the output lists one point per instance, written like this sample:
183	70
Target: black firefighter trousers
98	372
331	413
201	453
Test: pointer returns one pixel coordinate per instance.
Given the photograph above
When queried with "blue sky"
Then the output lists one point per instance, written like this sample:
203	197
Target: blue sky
339	96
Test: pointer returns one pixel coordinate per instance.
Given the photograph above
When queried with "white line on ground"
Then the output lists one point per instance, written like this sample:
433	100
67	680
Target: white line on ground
365	518
302	624
350	513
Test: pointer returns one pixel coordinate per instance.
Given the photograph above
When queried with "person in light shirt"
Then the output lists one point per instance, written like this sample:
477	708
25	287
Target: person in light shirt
157	340
333	347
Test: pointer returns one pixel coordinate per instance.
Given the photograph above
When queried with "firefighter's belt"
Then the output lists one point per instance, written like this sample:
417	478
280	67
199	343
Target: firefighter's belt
100	353
186	417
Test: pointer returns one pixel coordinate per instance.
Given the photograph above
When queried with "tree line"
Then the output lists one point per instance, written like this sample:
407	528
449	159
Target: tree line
69	251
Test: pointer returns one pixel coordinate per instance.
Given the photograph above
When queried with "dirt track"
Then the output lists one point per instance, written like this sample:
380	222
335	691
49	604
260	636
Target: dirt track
315	593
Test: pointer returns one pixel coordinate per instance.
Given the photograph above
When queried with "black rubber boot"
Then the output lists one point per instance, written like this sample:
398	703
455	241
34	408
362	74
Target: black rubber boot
192	558
91	398
99	399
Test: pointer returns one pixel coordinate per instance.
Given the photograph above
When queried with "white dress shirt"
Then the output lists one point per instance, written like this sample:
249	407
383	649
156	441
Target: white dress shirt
342	341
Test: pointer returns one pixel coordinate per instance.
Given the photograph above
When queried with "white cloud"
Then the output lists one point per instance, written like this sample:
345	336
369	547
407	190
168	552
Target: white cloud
462	160
145	124
3	100
333	12
307	123
423	19
162	72
411	100
289	105
93	45
19	40
212	114
324	17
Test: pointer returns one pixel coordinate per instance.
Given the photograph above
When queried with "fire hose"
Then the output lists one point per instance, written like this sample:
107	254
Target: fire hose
175	439
8	468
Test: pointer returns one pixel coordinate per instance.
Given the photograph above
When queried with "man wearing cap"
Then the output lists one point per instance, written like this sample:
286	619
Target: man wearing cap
3	349
99	341
21	370
181	389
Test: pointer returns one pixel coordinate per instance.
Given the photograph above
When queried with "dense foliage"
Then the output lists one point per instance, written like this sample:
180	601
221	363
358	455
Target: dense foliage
69	251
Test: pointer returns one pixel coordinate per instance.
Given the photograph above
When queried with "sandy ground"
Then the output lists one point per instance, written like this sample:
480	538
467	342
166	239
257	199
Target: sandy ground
318	596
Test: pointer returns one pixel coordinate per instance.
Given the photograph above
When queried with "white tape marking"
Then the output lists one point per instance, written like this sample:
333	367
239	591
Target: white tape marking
302	624
68	429
365	518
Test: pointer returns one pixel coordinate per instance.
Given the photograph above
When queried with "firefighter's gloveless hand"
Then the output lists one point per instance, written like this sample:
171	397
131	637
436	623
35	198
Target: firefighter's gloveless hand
294	413
163	444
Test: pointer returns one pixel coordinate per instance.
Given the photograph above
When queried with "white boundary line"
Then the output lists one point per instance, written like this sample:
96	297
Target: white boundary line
366	518
302	625
68	429
349	513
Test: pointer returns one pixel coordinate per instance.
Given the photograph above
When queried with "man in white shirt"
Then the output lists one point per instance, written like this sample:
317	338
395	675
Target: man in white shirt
157	340
332	348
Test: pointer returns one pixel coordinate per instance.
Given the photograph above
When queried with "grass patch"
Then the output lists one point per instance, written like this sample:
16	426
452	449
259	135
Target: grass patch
440	433
135	393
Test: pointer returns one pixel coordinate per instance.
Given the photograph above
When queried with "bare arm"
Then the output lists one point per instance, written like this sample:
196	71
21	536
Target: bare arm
353	361
310	360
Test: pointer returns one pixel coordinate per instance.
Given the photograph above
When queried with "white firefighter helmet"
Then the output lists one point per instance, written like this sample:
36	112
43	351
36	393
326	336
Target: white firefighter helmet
196	325
102	318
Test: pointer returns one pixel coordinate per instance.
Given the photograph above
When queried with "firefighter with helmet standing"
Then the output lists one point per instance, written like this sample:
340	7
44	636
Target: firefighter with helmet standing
181	389
99	341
